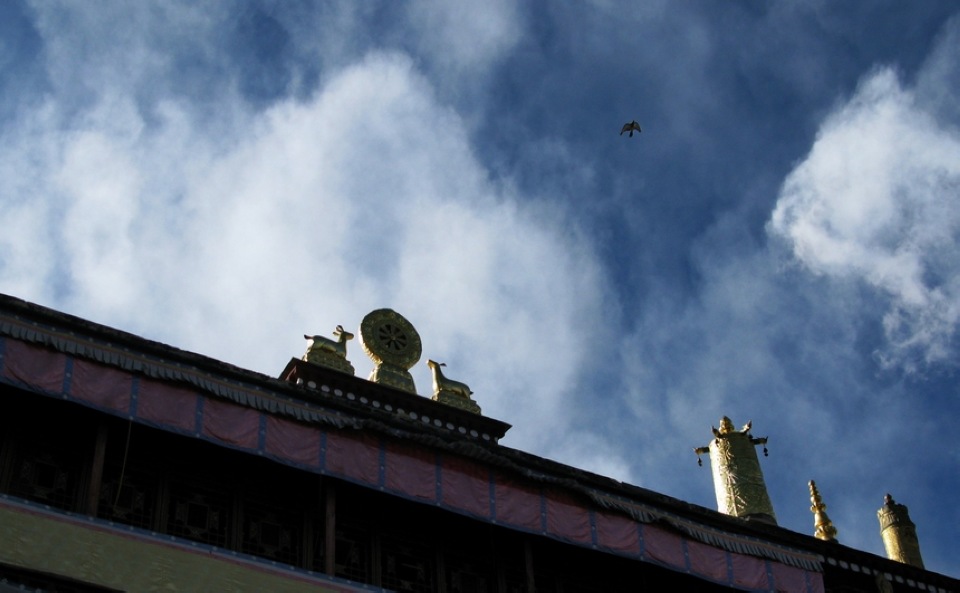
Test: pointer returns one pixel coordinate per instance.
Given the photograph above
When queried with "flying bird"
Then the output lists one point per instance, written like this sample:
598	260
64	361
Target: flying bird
630	127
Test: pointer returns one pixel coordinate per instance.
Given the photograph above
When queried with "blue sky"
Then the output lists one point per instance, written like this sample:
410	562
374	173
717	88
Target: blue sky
780	244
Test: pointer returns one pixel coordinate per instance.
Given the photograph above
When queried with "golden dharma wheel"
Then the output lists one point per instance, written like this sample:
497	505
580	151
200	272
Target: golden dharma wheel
388	338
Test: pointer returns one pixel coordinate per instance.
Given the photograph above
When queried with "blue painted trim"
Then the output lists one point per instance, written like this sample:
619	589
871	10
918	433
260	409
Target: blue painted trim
67	377
438	476
134	397
323	452
382	470
729	558
643	547
198	416
543	512
262	434
493	496
593	527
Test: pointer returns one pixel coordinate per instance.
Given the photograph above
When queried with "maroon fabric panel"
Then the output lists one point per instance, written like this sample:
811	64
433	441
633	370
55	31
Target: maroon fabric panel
566	518
750	572
286	439
788	579
37	367
167	405
664	546
411	470
101	385
355	455
230	423
708	561
816	582
617	533
465	485
517	504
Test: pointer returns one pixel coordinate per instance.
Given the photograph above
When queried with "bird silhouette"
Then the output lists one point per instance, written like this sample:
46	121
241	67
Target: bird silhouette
630	127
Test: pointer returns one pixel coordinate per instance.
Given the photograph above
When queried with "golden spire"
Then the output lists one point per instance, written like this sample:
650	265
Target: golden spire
824	528
737	477
899	533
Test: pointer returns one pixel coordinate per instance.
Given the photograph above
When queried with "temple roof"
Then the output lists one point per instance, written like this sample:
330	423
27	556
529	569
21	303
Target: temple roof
313	395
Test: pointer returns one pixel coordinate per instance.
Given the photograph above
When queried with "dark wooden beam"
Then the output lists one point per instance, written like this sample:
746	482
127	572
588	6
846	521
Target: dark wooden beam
96	470
330	527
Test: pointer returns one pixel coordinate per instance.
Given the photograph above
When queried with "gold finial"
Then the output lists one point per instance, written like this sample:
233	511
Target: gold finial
450	392
737	477
330	353
823	526
899	533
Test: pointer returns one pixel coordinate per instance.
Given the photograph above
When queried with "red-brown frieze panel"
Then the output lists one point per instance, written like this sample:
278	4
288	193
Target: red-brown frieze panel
788	578
102	386
708	561
292	442
410	470
663	546
567	518
749	572
617	533
465	486
232	424
168	406
353	455
34	366
518	504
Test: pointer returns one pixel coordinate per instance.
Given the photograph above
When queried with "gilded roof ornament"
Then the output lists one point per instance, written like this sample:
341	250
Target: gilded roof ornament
737	477
450	392
823	526
899	533
393	345
330	353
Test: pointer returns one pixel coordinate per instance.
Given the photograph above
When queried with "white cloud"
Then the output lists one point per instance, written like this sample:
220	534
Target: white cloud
876	200
89	48
465	37
938	83
307	215
104	189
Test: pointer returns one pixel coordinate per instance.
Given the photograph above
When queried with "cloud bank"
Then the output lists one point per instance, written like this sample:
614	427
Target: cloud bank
234	235
877	200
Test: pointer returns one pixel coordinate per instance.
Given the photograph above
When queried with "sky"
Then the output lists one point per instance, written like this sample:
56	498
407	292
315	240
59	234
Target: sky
780	244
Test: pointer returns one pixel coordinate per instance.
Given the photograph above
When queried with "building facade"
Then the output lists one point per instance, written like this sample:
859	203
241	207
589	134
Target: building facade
129	465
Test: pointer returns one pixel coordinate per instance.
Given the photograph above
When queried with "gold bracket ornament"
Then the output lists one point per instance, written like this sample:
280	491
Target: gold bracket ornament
393	345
